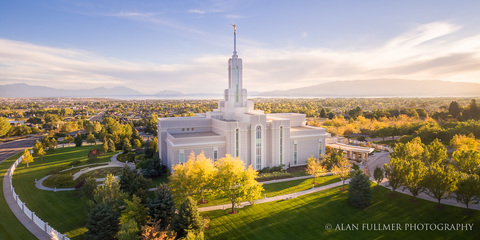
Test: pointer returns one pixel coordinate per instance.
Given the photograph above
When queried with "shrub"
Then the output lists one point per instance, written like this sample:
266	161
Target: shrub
95	153
75	163
130	157
273	175
59	180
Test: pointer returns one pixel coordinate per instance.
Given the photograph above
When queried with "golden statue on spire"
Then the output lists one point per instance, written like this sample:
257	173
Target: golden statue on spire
234	28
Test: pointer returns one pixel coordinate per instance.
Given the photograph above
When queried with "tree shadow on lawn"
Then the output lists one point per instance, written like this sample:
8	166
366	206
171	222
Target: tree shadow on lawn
305	217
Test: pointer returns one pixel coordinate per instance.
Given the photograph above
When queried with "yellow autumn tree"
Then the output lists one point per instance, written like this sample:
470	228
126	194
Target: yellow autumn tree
342	170
315	168
232	180
27	157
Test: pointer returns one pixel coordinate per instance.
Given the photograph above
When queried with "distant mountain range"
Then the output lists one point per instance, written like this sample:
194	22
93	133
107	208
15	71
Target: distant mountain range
383	88
356	88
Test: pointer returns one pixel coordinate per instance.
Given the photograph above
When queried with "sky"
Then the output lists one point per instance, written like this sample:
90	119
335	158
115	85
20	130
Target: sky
152	45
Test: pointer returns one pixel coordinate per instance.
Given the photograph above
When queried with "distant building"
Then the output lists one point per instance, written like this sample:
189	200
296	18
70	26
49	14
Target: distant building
236	128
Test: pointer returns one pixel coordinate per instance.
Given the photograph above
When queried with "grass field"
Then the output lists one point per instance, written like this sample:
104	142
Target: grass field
275	189
10	227
305	217
64	211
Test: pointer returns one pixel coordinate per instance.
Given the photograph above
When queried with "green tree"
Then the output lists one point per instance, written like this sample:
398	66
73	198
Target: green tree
315	168
468	189
102	223
414	173
151	124
38	150
359	190
440	181
110	193
134	211
162	206
4	126
394	172
378	175
473	107
342	170
133	183
128	230
88	187
90	138
437	152
136	144
52	144
188	219
333	159
126	145
69	139
27	157
454	109
105	147
111	145
323	113
78	140
467	161
236	183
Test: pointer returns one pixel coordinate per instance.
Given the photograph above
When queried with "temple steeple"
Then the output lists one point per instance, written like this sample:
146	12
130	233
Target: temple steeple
234	40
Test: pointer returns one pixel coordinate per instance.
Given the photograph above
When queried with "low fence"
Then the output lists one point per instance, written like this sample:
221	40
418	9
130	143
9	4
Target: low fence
31	215
371	144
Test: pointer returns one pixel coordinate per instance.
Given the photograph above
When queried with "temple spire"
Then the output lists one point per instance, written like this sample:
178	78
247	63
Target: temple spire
234	39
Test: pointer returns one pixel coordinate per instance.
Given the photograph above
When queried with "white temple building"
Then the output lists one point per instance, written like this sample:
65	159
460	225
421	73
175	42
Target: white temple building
236	128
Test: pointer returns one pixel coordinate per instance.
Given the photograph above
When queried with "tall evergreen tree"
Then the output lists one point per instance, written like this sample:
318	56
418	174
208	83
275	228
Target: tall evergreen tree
474	113
359	190
454	109
162	206
188	219
102	223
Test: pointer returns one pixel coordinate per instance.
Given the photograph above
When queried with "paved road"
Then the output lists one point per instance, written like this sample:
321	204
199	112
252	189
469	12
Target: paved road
10	148
377	160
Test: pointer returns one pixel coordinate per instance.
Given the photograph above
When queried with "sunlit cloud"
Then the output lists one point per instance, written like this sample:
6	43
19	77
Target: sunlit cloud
427	52
198	11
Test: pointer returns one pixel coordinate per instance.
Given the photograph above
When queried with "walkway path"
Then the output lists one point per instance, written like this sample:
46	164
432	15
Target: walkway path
276	198
424	196
113	163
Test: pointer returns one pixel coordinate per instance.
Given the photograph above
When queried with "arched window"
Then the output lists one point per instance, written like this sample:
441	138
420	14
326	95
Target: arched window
236	142
258	146
281	145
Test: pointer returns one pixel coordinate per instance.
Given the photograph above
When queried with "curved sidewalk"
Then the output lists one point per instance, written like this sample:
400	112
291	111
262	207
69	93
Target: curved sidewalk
113	163
275	198
18	212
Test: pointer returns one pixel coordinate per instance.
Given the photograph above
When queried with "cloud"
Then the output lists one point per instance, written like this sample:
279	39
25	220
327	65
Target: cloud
304	35
198	11
424	53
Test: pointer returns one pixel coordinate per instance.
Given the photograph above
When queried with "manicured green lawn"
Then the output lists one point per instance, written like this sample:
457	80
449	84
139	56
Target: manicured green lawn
102	172
305	217
275	189
10	227
64	211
